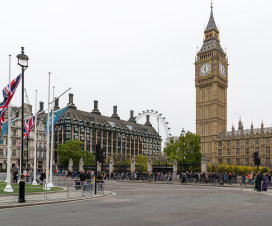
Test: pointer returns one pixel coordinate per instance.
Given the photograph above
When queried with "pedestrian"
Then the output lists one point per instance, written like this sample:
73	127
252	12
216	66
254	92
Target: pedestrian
269	179
258	181
264	186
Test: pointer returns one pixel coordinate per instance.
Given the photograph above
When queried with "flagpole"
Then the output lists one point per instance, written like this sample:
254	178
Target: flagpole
8	187
52	141
35	145
47	138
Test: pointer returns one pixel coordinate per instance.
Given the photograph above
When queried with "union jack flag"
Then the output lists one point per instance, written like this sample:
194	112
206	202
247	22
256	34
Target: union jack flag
8	93
28	126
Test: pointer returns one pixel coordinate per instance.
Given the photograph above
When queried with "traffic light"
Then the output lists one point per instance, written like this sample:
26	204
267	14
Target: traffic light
256	158
97	153
103	155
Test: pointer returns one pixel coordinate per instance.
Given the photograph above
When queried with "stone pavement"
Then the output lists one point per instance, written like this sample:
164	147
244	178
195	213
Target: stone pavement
47	197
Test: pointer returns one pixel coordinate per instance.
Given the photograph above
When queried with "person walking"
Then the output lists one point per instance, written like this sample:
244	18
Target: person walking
264	186
258	181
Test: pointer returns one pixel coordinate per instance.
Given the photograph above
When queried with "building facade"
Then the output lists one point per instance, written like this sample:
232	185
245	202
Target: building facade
16	138
116	136
211	82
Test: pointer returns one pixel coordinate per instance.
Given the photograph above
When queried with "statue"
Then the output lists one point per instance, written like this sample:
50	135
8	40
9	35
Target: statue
111	166
70	165
132	165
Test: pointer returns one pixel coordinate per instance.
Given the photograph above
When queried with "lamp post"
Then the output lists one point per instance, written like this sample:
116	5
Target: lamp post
23	62
183	134
27	140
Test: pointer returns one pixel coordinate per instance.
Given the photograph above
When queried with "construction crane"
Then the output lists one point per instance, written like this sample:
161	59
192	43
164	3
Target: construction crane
27	100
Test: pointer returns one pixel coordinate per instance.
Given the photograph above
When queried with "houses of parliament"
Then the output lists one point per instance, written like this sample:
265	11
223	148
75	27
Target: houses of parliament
211	82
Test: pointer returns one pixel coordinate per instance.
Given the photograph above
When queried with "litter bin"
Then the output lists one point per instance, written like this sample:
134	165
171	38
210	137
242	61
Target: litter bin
77	184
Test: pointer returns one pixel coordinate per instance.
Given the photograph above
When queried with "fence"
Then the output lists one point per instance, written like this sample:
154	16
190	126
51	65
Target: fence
71	189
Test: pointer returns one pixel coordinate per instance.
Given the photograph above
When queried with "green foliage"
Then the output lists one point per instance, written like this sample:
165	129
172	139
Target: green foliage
121	162
141	163
71	149
239	170
191	147
163	161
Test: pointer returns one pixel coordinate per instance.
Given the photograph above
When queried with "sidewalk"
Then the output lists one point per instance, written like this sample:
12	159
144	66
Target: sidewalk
11	201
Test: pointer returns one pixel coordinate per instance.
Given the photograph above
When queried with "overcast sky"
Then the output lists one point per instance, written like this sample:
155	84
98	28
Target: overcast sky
140	54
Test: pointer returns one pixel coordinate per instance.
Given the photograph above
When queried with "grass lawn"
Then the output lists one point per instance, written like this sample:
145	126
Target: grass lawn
28	188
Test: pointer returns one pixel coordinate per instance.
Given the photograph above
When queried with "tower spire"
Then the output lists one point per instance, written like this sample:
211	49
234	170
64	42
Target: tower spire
211	24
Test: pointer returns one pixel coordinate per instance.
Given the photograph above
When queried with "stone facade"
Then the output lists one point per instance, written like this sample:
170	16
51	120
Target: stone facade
211	82
16	138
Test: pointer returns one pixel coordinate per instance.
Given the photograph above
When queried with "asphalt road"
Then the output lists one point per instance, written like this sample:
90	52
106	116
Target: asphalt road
152	204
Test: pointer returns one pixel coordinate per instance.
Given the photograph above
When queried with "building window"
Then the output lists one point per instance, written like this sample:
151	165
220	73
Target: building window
247	161
219	161
14	132
267	161
268	140
229	161
257	141
247	141
220	143
237	142
13	142
229	143
220	152
13	153
237	151
237	161
257	149
1	152
247	151
268	150
228	152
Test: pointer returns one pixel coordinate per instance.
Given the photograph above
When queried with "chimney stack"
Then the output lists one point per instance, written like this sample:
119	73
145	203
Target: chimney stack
95	110
147	123
41	106
115	115
56	107
132	118
71	101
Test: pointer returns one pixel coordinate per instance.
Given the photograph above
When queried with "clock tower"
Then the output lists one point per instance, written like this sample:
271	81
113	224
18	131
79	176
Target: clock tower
211	82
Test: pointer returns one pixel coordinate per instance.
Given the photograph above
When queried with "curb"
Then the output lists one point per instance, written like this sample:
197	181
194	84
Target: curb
54	201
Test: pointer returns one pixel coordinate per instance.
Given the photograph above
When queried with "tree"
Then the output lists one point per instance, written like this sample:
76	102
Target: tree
141	163
71	149
192	155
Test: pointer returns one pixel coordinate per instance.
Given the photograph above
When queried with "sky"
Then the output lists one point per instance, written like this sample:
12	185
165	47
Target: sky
139	55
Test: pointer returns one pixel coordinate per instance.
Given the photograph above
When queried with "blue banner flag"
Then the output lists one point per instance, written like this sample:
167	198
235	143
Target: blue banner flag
4	130
57	115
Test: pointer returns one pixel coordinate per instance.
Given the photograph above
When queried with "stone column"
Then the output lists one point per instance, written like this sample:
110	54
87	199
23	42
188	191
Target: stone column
203	163
175	169
149	165
81	164
70	164
111	166
132	164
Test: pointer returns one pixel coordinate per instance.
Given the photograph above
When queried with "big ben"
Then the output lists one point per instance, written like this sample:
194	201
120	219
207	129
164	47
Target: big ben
211	82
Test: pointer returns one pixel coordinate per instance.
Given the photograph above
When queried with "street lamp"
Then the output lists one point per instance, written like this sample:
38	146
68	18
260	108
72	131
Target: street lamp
183	134
23	62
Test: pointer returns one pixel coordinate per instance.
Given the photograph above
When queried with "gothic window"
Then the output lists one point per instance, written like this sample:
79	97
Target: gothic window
268	140
219	161
237	142
237	151
220	152
228	152
247	161
229	143
257	141
229	161
267	161
247	141
220	143
247	151
237	161
257	149
268	150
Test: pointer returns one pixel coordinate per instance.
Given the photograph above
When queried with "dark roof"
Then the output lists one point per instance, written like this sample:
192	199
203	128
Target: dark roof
89	117
211	24
210	45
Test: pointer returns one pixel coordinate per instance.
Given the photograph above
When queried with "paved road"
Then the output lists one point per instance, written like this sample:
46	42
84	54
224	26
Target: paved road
153	204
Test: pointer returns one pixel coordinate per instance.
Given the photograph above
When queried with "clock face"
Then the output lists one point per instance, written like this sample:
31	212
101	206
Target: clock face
205	69
222	69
